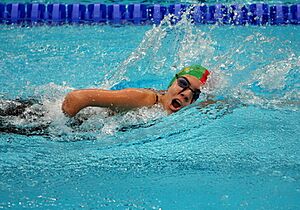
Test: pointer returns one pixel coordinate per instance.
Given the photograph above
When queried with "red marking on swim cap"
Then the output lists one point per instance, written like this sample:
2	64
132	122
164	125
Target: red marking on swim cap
204	77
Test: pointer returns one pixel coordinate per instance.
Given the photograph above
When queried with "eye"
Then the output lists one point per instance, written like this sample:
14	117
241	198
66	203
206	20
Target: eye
182	83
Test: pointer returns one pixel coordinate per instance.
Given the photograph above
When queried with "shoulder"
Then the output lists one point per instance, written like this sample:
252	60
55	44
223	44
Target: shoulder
157	92
139	91
147	96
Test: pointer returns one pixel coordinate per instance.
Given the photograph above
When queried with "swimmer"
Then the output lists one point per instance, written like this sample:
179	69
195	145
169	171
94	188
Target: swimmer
183	90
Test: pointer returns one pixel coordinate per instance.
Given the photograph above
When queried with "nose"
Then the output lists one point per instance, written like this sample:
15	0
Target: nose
186	94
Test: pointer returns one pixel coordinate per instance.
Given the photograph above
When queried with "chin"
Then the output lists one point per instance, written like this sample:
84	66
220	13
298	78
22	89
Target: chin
171	110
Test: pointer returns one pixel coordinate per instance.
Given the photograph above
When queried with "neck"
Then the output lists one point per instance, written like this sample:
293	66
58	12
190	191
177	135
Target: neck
163	99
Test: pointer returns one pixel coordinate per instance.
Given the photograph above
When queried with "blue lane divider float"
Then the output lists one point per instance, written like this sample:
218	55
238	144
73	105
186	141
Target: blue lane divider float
137	13
36	12
236	14
279	14
2	9
96	13
156	13
56	13
76	13
258	14
239	14
295	14
116	13
15	13
176	10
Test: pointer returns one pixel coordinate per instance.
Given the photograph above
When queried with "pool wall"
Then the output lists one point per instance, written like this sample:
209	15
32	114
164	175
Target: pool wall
236	14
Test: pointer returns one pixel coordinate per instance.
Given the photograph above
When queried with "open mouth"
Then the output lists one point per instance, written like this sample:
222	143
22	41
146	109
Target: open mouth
176	103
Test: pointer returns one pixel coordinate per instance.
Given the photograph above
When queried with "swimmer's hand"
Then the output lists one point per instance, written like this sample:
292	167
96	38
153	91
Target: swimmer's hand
72	104
119	100
204	104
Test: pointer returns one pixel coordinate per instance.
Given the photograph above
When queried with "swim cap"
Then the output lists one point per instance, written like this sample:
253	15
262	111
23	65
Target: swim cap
195	70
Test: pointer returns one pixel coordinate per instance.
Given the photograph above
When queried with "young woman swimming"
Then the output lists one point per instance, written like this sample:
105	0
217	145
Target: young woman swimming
183	90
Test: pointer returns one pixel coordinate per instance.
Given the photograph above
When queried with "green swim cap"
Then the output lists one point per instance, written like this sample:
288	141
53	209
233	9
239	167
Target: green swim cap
195	70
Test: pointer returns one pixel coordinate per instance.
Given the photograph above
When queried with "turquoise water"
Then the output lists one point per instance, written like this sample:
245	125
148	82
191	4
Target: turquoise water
239	153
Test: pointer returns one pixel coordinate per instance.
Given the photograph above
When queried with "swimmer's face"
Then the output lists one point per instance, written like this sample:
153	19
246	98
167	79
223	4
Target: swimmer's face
178	96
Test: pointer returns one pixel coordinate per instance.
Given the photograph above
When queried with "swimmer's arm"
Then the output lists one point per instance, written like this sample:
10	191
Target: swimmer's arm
210	99
119	99
207	102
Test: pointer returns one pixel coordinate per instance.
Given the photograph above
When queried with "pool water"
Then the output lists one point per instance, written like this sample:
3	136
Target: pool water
240	153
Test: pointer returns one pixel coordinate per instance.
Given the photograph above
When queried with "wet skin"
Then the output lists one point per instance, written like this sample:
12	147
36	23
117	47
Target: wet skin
121	100
176	98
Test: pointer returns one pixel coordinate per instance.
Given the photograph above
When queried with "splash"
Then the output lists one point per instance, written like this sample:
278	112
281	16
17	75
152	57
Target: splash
36	111
166	47
249	65
43	116
274	85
